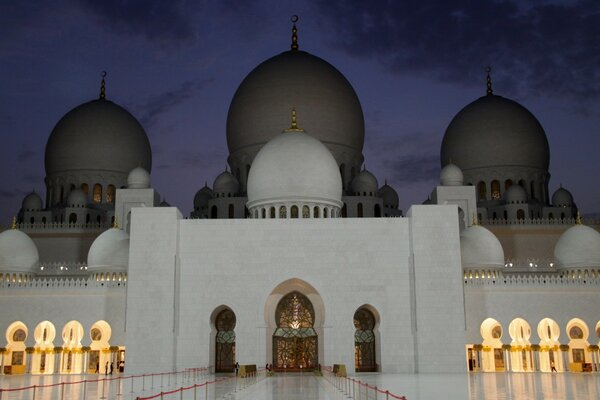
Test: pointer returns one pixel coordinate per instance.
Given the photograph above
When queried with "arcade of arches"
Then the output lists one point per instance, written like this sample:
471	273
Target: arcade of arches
517	352
72	357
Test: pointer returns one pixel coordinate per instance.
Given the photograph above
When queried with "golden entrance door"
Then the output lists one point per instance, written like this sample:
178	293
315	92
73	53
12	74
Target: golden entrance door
295	353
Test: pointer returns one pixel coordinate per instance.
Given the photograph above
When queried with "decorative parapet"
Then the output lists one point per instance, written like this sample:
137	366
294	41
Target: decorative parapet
8	281
62	268
491	278
62	226
537	221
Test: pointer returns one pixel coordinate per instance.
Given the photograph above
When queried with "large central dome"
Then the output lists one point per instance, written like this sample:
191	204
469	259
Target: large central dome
318	91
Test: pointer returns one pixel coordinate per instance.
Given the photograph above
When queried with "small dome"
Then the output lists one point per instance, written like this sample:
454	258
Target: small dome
515	195
18	253
578	247
389	196
294	167
77	198
562	198
138	178
32	202
226	184
494	132
480	248
202	197
451	175
364	184
110	251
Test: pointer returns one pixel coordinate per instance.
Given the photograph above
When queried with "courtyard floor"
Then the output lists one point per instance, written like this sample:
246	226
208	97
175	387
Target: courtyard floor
478	386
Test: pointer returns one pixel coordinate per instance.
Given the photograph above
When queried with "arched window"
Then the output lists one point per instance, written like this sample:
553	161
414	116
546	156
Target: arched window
230	211
343	174
62	194
264	213
272	212
325	212
225	341
31	220
344	211
256	214
364	341
305	212
495	190
359	210
377	211
294	212
282	212
72	218
295	344
316	212
110	194
505	214
507	183
532	188
85	188
520	214
551	216
213	212
97	193
481	191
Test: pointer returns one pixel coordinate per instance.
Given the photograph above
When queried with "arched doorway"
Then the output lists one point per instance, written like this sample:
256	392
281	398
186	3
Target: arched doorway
71	359
15	359
225	341
549	331
295	341
43	357
492	358
521	359
99	353
365	359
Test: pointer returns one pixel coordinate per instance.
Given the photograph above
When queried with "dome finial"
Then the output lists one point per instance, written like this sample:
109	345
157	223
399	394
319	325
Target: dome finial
103	86
294	19
294	127
578	219
489	90
14	223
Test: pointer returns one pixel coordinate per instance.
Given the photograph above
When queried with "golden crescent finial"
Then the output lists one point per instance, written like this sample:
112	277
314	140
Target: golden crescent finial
294	19
489	90
115	223
14	223
578	219
294	126
103	86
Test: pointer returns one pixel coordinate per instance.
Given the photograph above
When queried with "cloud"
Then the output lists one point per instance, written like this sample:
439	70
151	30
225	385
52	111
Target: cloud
159	21
541	48
162	103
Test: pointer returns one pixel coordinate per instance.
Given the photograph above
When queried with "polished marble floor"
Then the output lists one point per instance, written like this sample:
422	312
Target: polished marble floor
501	386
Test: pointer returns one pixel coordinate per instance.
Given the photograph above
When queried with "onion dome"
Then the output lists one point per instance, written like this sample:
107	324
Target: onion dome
109	252
451	175
138	178
293	168
202	197
480	248
295	79
562	198
389	196
226	185
32	202
365	184
578	247
77	198
515	194
18	252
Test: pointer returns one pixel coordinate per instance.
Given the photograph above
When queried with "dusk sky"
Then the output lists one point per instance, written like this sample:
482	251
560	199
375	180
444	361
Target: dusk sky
175	66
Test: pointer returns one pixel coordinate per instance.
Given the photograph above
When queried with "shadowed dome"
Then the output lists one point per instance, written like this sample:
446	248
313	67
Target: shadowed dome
226	184
32	202
365	182
578	247
294	166
492	132
515	195
451	175
562	198
77	198
98	135
18	253
138	178
480	248
330	109
202	197
389	196
109	252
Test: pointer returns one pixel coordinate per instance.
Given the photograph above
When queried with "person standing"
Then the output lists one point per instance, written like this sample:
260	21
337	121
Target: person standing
553	369
237	368
106	368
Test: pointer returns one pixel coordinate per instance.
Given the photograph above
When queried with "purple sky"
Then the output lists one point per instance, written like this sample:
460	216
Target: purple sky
176	65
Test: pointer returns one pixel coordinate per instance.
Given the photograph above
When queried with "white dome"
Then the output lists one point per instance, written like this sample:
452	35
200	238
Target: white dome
364	182
562	198
138	178
202	197
110	251
18	253
389	196
480	248
32	202
329	107
515	194
294	166
451	175
578	247
77	198
494	132
226	184
97	136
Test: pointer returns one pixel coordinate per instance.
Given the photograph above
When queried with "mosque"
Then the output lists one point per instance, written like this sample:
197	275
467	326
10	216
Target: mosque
297	255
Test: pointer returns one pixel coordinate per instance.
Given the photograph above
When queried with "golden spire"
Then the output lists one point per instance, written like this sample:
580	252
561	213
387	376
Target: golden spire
294	19
578	219
115	223
294	127
475	221
489	90
14	223
103	87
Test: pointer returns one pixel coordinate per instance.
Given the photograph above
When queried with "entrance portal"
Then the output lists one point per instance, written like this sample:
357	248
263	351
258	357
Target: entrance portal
295	342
